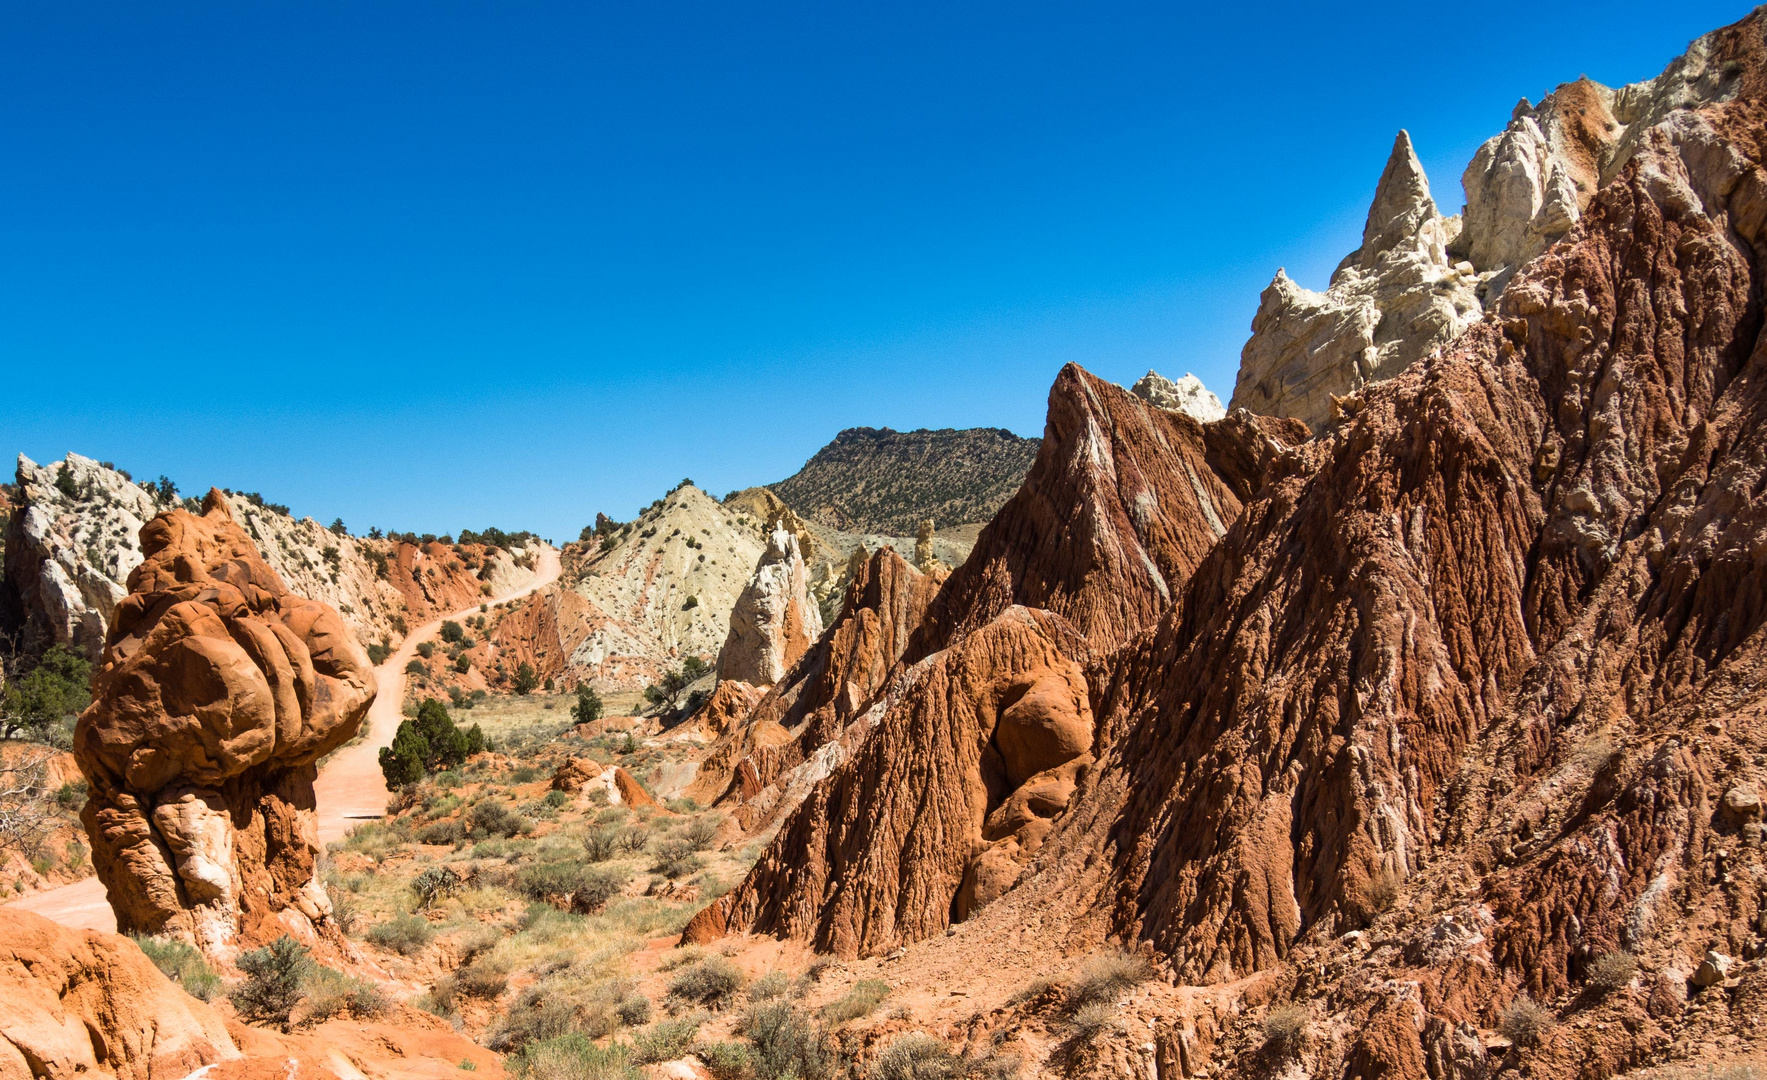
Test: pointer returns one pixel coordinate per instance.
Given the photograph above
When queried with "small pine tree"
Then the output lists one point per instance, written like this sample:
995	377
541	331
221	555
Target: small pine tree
526	679
588	707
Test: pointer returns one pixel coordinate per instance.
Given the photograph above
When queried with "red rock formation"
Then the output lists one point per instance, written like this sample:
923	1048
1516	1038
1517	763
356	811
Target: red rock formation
574	774
1477	671
829	689
217	693
81	1003
1120	506
956	784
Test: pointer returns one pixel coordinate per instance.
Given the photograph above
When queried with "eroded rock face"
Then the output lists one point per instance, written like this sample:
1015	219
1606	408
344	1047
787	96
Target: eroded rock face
1390	302
1120	507
970	759
774	620
78	1003
217	693
1187	395
751	765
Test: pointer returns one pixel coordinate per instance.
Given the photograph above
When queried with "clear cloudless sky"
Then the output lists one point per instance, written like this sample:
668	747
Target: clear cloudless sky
430	265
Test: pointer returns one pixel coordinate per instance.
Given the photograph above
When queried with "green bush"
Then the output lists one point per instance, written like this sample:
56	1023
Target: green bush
184	965
570	884
526	679
406	935
523	774
573	1056
426	649
415	667
588	707
463	663
493	818
634	1010
435	883
55	690
272	984
452	631
71	795
664	1040
769	986
712	982
450	831
726	1060
379	650
429	742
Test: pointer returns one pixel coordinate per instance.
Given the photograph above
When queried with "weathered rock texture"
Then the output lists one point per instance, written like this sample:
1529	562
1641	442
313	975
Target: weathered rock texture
774	620
217	692
1187	395
1120	507
762	763
1389	302
77	1003
74	539
1452	708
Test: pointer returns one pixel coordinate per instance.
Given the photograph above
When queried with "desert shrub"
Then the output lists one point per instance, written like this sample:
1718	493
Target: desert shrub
435	883
635	839
71	795
482	979
675	858
272	984
463	663
184	965
493	818
588	707
1285	1029
712	982
601	844
573	1056
526	679
569	883
785	1043
1525	1022
865	996
820	967
452	631
415	667
523	774
769	986
1093	1019
450	831
1383	888
380	650
595	887
633	1010
1106	977
1032	990
918	1056
428	742
555	800
700	832
405	934
664	1040
1612	971
726	1060
426	649
328	993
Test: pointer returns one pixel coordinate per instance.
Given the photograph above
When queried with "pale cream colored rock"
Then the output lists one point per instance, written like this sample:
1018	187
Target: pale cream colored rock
1389	303
775	620
1186	395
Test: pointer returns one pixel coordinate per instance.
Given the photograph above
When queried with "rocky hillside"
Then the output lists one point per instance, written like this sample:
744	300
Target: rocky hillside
875	480
73	538
640	599
1432	745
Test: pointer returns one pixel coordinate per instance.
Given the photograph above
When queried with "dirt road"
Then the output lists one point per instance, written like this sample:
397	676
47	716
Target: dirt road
349	790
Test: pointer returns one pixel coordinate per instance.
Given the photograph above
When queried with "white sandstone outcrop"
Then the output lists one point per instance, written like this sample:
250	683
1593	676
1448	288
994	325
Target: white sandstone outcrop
1389	303
775	620
1186	395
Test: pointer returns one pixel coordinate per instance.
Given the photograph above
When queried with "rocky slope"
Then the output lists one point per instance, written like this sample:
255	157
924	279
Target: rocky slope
774	620
217	692
655	591
1439	720
875	480
73	539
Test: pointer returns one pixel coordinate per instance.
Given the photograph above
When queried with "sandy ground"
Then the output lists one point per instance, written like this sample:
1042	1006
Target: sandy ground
349	790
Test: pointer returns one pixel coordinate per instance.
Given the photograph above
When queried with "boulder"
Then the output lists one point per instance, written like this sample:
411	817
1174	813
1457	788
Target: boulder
1713	970
572	775
79	1003
218	692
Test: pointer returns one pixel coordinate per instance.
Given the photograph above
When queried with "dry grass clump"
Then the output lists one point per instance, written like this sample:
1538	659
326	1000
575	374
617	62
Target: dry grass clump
1093	1019
1525	1022
327	993
1612	971
1106	977
183	964
769	986
862	1000
573	1056
712	982
1285	1029
406	935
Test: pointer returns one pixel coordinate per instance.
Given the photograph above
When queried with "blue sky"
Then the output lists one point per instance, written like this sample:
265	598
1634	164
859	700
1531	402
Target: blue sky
430	265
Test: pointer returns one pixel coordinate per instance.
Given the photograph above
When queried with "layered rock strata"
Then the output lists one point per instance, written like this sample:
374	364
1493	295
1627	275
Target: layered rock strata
217	693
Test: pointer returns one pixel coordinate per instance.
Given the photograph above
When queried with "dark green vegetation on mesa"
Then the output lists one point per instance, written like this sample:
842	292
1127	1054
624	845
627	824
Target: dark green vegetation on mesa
883	481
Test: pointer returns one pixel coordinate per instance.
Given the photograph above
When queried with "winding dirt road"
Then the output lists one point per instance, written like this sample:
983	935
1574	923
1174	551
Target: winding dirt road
349	790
